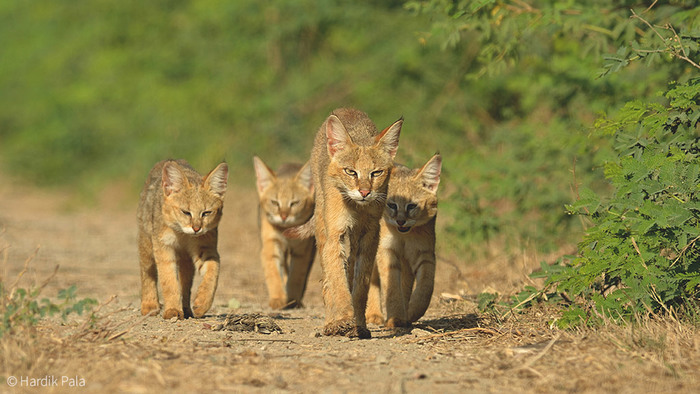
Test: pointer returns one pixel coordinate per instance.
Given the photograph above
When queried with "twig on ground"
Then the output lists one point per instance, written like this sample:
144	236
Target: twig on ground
451	333
528	364
261	340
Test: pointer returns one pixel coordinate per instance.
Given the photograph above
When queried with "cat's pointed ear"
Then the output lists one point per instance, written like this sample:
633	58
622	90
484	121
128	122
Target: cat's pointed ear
174	180
430	173
337	137
263	173
217	180
389	138
305	177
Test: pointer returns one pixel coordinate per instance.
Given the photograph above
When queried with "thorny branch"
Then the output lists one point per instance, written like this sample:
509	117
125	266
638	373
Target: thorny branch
677	51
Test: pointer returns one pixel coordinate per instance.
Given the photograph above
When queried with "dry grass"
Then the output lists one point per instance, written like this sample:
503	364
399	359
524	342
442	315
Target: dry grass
116	349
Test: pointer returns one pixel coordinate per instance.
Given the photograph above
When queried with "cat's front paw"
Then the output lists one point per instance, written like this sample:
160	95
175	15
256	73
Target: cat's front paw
338	327
359	332
149	308
277	303
199	310
293	304
346	328
170	313
395	322
375	319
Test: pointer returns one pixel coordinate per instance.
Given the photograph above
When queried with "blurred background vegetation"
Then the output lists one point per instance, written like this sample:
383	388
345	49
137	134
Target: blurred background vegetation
94	92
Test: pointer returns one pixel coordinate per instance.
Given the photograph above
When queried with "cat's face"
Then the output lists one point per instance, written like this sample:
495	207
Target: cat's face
286	198
361	173
193	209
412	198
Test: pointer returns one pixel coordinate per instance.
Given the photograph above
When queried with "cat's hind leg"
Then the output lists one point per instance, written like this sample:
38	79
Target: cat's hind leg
149	276
301	257
186	278
374	299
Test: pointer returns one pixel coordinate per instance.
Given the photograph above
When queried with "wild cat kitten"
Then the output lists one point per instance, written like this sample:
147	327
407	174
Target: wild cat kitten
178	215
351	162
406	253
286	200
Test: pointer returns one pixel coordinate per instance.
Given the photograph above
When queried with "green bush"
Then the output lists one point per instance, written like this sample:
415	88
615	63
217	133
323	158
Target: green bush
93	92
641	254
528	89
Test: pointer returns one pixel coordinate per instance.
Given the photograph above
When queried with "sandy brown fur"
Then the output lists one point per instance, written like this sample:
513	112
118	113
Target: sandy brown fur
286	200
178	214
404	275
351	162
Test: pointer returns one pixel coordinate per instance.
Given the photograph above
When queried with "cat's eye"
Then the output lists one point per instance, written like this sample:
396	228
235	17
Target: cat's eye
411	207
293	203
350	172
186	213
206	213
391	205
377	173
275	203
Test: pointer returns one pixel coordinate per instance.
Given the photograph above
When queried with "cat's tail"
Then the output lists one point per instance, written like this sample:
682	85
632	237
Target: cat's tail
304	231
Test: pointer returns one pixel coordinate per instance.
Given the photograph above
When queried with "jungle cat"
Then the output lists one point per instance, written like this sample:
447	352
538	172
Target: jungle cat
178	215
406	253
351	163
286	200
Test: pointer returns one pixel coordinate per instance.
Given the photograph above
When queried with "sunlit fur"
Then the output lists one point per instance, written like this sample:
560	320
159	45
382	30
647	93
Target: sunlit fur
286	200
406	253
190	207
286	195
351	162
178	214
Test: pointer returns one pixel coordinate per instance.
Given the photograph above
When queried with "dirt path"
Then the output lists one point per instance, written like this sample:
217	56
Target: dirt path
451	350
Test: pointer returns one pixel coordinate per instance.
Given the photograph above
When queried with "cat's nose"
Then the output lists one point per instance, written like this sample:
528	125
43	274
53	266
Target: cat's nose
400	222
364	192
283	216
196	229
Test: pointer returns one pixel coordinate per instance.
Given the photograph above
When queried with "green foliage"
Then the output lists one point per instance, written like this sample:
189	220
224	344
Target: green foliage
529	72
97	91
641	253
661	42
486	301
22	307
